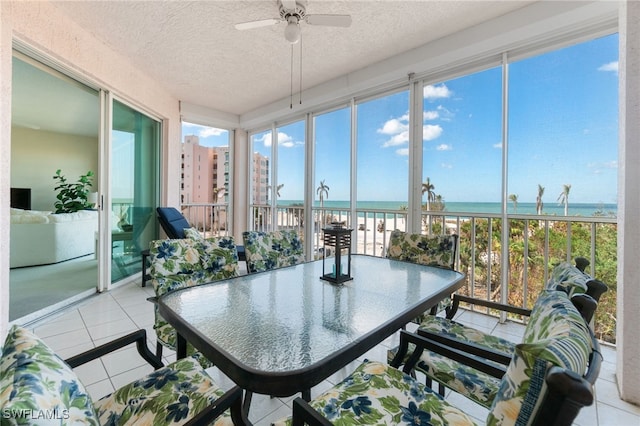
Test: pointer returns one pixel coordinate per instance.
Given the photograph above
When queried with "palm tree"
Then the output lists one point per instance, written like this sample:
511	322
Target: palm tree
563	198
437	205
431	196
404	208
514	199
278	188
322	191
539	203
216	193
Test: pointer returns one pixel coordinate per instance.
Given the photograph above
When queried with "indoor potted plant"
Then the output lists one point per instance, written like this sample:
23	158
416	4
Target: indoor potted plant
72	196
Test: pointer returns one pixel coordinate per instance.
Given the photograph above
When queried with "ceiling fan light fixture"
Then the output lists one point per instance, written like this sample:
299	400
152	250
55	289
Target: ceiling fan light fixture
292	31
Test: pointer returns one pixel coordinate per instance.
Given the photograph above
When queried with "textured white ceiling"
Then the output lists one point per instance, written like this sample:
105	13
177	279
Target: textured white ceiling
193	49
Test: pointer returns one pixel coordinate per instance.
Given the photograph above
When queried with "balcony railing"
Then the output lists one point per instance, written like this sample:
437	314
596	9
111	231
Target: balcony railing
212	220
535	244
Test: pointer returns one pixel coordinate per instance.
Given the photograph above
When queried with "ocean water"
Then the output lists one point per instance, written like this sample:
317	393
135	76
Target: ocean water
575	209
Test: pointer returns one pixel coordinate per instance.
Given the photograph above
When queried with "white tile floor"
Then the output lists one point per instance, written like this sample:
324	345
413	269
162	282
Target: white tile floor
124	309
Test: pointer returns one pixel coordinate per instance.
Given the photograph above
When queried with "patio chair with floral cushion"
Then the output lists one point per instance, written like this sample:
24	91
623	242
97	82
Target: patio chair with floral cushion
265	251
544	384
480	386
181	263
430	250
38	387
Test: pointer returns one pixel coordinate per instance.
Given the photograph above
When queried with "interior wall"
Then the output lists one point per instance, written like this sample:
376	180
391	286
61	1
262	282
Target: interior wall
36	155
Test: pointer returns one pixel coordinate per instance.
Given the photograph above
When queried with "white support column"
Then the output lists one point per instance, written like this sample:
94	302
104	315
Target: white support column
241	164
414	209
309	183
628	313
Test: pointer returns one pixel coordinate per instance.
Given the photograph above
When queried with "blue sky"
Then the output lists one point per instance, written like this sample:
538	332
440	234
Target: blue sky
562	129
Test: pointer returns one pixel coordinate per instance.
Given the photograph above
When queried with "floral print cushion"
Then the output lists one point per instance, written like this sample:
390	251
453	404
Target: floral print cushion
554	315
289	245
219	257
569	278
165	333
556	335
431	250
455	330
173	257
203	261
193	234
38	387
269	250
169	396
475	385
378	394
168	337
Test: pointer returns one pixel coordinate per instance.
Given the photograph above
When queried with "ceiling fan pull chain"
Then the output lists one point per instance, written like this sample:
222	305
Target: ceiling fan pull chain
301	68
291	84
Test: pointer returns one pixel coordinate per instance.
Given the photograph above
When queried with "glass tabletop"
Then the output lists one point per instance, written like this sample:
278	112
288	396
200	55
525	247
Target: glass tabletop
289	320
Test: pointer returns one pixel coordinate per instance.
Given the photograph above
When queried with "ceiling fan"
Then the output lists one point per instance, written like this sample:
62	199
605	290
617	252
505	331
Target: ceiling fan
293	12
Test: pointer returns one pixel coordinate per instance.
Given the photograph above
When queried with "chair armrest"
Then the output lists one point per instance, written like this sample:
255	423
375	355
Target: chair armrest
303	413
139	337
568	392
586	305
457	298
231	400
423	343
467	347
596	288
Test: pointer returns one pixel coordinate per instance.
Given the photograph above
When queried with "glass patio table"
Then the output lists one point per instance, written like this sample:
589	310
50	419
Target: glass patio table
284	331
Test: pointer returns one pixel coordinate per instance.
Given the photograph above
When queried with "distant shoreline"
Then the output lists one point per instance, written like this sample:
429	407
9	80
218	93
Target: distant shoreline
575	209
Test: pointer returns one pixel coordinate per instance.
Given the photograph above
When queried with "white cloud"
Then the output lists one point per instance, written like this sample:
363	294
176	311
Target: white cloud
210	131
444	113
430	115
599	167
444	147
446	165
398	129
398	139
432	92
431	132
497	145
284	140
265	139
203	131
402	151
394	126
611	66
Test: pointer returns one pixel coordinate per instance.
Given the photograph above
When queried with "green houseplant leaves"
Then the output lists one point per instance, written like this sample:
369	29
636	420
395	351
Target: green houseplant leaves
72	196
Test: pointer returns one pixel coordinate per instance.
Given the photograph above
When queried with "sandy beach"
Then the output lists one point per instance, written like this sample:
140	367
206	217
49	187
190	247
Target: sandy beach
371	234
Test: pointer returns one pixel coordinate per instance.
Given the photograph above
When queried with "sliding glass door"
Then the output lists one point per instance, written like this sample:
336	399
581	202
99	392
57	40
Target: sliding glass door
54	143
134	182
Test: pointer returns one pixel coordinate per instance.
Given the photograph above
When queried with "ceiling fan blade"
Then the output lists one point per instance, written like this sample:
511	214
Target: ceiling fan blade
329	20
288	4
257	24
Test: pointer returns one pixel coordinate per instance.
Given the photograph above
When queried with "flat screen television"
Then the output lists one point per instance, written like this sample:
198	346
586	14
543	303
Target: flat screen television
21	198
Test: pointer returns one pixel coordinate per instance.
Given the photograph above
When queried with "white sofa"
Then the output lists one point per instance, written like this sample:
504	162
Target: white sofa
41	238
